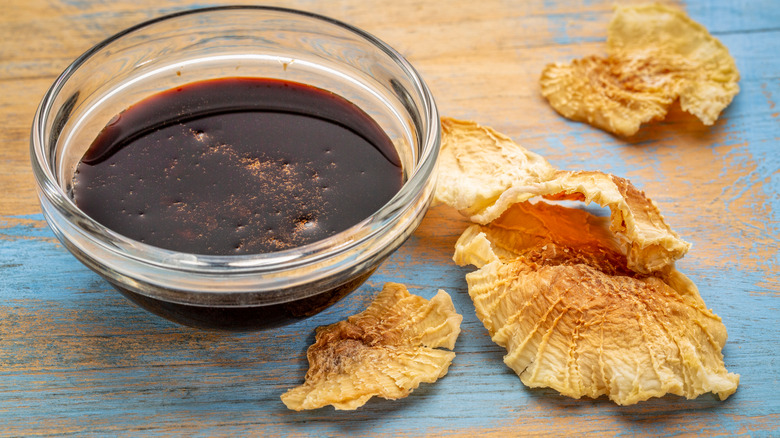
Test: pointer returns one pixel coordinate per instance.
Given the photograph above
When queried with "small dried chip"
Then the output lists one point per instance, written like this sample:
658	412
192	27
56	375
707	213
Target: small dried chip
656	55
474	154
386	351
575	318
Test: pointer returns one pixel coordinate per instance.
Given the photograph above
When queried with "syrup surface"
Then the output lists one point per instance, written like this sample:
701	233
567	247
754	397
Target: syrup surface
237	166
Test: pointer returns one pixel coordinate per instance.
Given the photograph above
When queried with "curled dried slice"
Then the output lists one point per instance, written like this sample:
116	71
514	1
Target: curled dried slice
656	55
575	318
519	175
386	351
638	226
477	164
527	226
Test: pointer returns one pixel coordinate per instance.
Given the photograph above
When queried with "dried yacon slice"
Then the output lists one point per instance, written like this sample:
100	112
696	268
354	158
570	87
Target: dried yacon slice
386	351
708	73
617	94
580	322
656	55
477	164
582	332
636	222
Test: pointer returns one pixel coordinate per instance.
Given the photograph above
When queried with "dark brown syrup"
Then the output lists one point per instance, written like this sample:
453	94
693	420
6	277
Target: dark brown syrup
237	166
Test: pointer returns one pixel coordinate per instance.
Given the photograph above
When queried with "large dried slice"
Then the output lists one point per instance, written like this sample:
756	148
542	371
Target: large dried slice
583	304
656	55
574	317
386	351
485	173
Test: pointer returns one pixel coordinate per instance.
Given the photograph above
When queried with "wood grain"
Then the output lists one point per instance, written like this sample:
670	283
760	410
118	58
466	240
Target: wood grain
78	359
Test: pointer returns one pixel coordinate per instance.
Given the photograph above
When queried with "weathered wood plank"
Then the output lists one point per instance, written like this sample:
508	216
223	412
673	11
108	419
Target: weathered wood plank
76	358
71	338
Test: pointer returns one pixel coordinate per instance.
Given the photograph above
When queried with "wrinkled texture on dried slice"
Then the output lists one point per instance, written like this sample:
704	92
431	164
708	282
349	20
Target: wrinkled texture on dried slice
477	164
386	351
656	55
574	318
711	75
585	333
616	94
639	228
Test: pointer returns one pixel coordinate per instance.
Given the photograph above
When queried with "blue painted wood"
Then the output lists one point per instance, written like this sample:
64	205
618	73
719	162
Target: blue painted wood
73	349
76	358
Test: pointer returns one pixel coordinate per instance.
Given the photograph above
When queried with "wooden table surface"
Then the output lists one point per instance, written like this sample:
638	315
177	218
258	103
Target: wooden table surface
76	358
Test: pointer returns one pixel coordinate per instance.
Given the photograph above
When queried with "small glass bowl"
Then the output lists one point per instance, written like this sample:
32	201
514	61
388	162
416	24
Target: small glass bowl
247	291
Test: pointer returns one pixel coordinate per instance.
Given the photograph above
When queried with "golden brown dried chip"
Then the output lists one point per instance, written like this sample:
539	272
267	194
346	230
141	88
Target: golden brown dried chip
656	55
575	318
484	173
614	94
386	351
